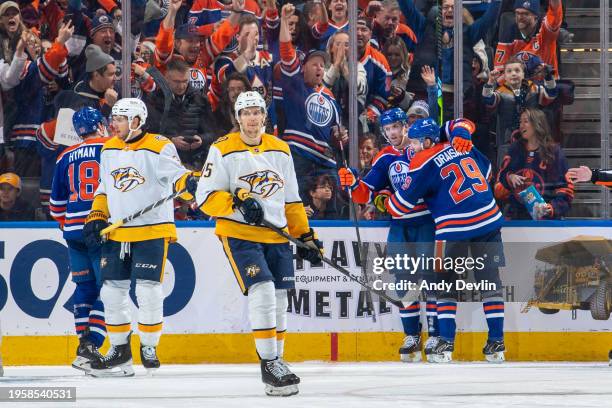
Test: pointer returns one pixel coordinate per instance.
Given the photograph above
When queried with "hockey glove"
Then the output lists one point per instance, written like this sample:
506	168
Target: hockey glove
380	201
96	221
191	184
249	207
348	178
462	145
314	254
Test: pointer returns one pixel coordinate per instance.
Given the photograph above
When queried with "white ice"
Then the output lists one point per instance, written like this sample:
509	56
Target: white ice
344	385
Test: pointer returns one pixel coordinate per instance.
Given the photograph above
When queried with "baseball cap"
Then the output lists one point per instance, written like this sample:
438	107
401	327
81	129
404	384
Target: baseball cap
7	5
529	5
12	179
316	53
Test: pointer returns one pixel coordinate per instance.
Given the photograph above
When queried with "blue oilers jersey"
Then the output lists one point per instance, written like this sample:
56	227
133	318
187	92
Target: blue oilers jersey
76	178
389	171
455	187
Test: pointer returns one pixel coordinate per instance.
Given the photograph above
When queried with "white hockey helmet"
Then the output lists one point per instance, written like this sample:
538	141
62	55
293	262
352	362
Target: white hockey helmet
247	100
131	108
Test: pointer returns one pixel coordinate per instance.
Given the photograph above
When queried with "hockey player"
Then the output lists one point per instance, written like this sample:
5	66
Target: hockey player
388	174
75	180
249	175
455	187
136	167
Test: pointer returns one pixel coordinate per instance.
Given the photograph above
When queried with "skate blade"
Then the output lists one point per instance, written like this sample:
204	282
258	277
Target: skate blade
151	371
445	357
286	391
82	364
497	357
411	357
124	370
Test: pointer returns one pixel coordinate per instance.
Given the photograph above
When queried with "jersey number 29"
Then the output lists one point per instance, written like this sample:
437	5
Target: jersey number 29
84	183
467	169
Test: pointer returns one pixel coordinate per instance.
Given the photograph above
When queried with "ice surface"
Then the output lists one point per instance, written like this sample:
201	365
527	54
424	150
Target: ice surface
344	385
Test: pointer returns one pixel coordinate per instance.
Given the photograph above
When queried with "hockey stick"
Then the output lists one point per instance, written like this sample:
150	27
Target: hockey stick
339	268
137	214
355	219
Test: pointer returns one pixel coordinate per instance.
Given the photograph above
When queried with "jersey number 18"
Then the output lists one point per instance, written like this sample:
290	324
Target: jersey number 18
87	178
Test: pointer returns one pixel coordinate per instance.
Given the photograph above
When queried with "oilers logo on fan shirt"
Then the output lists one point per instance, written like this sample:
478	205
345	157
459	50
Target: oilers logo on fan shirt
127	178
397	174
319	109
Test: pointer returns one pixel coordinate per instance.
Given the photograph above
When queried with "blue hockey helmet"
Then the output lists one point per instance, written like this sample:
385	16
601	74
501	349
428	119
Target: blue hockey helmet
423	129
86	121
393	115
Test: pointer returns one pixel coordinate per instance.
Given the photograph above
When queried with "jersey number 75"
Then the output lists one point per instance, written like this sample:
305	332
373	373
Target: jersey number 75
466	172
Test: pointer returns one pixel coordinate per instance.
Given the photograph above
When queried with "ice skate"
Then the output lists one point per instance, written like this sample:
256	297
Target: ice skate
278	380
410	351
86	353
148	356
494	351
443	352
116	363
430	344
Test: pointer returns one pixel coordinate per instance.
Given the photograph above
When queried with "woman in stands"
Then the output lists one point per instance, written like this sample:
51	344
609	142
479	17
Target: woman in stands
534	159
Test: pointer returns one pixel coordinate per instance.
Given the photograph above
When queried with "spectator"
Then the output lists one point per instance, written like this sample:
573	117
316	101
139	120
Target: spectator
331	19
146	51
206	15
368	149
377	69
531	34
311	129
512	97
256	65
11	26
9	78
30	96
188	44
399	62
534	160
320	203
336	76
427	39
13	208
234	85
387	26
188	120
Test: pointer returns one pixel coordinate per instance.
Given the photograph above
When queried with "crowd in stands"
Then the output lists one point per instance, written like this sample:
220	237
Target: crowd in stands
192	58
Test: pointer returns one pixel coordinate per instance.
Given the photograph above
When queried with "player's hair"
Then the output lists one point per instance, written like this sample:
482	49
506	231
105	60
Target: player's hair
177	64
541	129
247	19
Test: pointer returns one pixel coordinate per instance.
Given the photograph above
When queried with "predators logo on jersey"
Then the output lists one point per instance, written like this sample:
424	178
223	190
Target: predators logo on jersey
127	178
264	182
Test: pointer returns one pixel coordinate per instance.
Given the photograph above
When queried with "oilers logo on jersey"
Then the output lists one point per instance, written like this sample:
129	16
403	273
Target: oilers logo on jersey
319	109
397	173
127	178
264	182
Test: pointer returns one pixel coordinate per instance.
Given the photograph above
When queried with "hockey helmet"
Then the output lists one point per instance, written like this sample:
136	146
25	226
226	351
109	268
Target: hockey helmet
249	99
423	129
131	108
86	121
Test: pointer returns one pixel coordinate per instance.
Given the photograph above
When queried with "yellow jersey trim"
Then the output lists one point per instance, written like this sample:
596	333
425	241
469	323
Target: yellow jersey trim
232	143
150	141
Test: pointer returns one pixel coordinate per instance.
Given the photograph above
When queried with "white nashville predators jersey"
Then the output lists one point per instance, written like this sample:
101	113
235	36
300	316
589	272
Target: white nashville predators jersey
266	171
133	176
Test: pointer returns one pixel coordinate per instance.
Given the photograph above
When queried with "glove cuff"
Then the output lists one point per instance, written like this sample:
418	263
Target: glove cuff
96	215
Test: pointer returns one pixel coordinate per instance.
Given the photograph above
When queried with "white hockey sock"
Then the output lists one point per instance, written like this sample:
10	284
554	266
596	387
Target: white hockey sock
115	296
150	298
262	314
281	320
